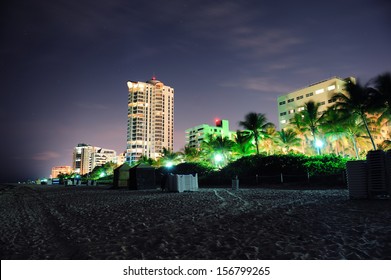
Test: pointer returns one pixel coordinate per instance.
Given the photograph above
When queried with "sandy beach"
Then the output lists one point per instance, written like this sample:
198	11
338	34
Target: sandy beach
56	222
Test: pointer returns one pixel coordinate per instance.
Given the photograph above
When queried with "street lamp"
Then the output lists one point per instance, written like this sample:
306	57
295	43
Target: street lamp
218	158
318	144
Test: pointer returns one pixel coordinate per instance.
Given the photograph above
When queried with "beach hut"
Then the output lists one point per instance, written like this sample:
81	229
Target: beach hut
121	176
142	177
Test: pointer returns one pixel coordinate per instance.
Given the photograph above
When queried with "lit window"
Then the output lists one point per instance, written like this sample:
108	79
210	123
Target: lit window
300	109
331	87
319	91
283	121
291	111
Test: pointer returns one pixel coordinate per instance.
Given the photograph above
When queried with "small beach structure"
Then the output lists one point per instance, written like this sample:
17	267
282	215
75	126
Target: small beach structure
182	183
121	176
142	177
138	177
370	178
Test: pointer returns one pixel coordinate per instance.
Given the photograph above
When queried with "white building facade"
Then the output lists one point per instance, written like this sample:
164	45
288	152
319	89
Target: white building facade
150	119
321	93
87	157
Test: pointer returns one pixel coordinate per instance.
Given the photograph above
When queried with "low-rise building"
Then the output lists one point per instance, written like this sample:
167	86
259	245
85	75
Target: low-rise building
320	92
87	157
56	170
196	135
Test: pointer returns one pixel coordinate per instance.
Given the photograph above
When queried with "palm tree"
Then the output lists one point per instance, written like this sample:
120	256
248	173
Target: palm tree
286	139
146	160
191	154
243	145
358	101
217	146
169	157
355	129
332	127
268	141
382	88
298	125
255	124
311	119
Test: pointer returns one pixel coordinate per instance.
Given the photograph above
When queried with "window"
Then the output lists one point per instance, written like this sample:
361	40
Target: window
291	100
309	94
282	102
332	100
322	103
300	109
283	121
291	111
299	97
283	114
319	91
331	88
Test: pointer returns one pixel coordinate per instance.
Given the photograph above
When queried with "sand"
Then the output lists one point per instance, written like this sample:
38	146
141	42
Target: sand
56	222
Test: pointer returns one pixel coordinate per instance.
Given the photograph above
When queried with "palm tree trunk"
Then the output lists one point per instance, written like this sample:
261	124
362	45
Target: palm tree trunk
256	143
355	146
369	133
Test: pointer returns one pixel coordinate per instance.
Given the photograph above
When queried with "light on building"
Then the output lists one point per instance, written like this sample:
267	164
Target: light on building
169	164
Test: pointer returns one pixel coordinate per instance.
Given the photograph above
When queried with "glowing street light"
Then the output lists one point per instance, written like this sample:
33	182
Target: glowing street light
169	164
319	144
218	158
102	174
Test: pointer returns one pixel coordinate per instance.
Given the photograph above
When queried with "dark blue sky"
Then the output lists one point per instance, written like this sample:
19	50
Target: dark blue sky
64	64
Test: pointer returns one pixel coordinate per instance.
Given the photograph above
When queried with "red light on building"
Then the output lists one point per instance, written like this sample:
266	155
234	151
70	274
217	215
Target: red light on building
218	122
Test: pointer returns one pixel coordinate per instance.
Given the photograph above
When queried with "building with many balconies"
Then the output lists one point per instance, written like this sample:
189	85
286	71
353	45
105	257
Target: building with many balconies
150	126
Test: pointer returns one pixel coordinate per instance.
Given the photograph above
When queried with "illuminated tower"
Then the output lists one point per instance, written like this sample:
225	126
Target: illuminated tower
150	119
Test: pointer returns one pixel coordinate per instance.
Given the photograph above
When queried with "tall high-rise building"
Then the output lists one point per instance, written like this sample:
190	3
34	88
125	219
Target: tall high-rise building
87	157
150	119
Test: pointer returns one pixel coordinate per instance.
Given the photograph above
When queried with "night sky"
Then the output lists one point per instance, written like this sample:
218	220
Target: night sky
65	64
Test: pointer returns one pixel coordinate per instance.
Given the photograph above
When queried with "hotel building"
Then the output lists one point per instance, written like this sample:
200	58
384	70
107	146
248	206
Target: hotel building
321	92
195	135
150	119
87	157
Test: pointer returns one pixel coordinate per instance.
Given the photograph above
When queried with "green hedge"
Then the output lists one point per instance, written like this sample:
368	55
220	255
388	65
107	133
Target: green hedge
290	164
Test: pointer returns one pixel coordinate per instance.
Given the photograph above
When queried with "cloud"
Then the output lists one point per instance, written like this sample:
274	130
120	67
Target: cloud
261	84
264	42
46	155
238	28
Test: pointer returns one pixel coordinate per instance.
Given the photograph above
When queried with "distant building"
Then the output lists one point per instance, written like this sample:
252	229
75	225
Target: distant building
321	92
121	158
87	157
196	135
60	169
150	119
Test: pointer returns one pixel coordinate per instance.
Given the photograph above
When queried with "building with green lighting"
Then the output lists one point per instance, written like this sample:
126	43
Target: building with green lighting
195	135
